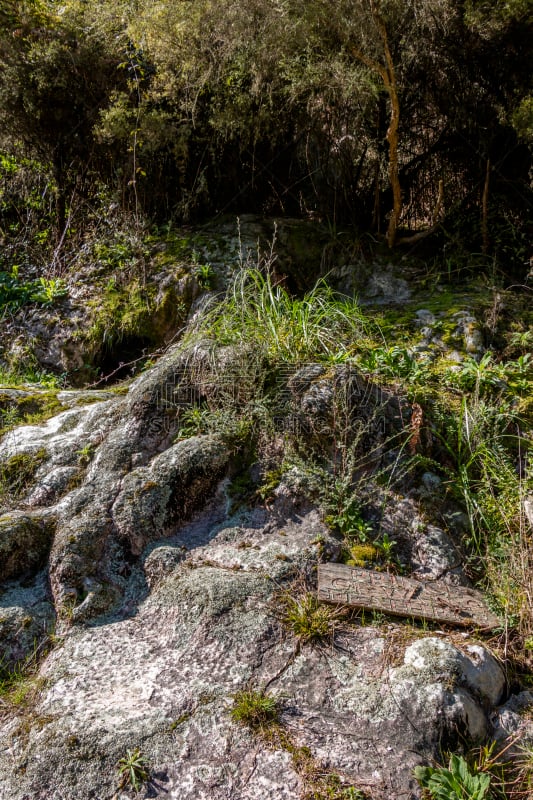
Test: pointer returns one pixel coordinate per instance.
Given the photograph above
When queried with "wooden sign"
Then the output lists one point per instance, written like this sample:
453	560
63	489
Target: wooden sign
404	597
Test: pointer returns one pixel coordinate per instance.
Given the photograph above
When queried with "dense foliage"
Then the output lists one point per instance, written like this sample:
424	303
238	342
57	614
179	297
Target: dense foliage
397	116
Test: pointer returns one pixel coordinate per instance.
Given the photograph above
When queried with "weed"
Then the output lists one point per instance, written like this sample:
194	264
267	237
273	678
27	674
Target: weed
454	782
133	770
15	292
205	276
194	422
522	340
386	547
309	620
85	455
20	683
255	709
392	362
346	515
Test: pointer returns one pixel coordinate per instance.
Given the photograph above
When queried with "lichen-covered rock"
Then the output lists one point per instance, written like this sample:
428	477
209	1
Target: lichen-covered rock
168	490
26	618
25	541
475	669
169	602
163	679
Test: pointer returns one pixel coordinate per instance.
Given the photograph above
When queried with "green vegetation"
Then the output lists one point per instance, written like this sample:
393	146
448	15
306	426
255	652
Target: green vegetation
15	292
255	709
455	782
29	408
20	682
160	114
133	770
257	313
309	620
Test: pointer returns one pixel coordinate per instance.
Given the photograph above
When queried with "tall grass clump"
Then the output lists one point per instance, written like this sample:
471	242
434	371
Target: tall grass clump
320	326
492	478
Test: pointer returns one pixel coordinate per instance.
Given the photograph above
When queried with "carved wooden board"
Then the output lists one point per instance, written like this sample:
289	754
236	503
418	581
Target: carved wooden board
403	597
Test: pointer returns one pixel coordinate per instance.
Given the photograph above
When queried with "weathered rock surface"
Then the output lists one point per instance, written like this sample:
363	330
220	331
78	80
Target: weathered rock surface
167	602
163	680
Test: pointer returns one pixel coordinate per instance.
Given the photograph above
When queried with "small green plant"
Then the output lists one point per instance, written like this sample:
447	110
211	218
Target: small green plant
205	276
194	422
85	454
347	517
482	375
386	546
133	770
255	709
522	340
309	620
454	782
392	362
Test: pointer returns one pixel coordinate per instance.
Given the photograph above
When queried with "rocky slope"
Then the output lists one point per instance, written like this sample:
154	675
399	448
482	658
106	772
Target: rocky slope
145	587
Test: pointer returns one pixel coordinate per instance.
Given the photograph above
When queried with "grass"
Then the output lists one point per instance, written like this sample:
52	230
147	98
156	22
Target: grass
255	709
318	327
20	683
489	475
309	620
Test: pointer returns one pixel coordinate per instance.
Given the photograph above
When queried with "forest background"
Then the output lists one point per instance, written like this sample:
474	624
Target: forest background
396	118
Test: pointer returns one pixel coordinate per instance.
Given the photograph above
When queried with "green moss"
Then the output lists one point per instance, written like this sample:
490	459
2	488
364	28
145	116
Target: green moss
27	409
121	311
17	473
362	554
39	407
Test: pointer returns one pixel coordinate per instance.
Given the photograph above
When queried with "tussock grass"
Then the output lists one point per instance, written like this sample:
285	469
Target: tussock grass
320	326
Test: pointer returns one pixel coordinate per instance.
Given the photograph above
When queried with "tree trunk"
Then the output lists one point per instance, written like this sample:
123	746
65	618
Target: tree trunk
485	212
388	76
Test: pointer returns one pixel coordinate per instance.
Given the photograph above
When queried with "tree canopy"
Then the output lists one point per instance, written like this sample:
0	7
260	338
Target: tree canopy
396	116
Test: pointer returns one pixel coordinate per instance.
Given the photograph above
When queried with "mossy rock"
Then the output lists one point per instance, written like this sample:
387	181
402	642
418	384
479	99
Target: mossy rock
20	406
18	472
25	541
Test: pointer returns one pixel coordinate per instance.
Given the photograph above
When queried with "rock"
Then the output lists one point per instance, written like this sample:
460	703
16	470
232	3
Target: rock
469	329
513	725
164	680
424	317
385	287
25	541
161	562
476	670
166	492
435	552
170	602
26	619
431	481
